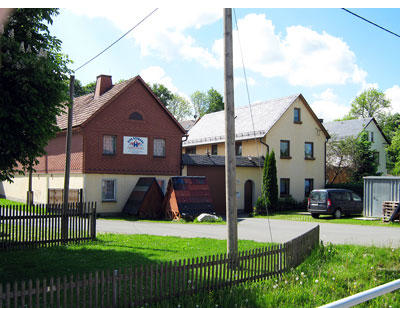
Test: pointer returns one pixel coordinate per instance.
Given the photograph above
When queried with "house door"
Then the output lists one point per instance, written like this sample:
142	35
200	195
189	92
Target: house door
248	196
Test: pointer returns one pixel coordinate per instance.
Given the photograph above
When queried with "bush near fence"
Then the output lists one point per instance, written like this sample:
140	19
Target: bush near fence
147	285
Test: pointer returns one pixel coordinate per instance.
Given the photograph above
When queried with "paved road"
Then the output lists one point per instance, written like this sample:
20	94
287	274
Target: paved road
258	230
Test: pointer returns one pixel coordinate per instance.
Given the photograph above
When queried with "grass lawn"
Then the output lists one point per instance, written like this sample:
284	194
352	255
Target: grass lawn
5	202
329	274
166	221
327	219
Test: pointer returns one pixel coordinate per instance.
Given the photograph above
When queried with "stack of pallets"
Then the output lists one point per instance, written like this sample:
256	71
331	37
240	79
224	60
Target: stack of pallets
388	208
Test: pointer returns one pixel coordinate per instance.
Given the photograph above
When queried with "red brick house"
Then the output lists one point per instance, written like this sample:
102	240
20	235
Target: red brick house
120	133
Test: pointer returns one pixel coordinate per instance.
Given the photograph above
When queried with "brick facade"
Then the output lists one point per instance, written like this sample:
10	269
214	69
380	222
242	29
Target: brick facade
113	119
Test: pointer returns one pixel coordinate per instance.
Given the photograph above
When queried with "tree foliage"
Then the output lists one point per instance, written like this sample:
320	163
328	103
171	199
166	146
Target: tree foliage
176	104
33	88
352	154
270	183
394	154
83	90
363	159
205	103
370	103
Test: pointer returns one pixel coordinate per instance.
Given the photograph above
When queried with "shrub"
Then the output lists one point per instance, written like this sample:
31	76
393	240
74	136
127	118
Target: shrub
290	204
356	187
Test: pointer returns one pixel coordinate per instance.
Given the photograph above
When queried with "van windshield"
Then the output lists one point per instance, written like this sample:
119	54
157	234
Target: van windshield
318	196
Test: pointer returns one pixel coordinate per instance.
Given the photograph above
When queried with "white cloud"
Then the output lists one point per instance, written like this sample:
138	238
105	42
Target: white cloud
241	81
393	94
156	74
302	56
163	33
327	106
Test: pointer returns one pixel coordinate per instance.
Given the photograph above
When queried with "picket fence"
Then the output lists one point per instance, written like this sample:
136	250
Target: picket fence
35	226
146	285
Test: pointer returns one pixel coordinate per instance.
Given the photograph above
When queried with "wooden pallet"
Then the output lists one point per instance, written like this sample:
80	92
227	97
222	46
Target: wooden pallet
388	208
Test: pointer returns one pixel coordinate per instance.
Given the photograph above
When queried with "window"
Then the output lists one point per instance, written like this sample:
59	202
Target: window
108	190
356	197
376	157
214	149
296	117
308	186
190	150
159	147
285	149
284	187
308	150
109	145
371	137
238	148
136	116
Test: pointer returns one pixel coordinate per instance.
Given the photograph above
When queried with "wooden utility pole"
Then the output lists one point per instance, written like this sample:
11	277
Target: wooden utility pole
230	156
64	224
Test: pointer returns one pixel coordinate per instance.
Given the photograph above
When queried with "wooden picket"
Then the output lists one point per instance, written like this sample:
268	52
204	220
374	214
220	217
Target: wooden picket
40	225
148	285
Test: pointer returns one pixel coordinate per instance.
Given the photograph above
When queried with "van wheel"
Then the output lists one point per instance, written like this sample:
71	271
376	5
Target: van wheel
338	213
314	215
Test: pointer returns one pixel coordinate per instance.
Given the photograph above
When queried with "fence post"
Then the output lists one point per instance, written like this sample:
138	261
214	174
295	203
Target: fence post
93	222
114	289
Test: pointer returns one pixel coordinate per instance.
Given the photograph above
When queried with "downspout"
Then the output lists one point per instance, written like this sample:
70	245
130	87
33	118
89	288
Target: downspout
181	164
265	144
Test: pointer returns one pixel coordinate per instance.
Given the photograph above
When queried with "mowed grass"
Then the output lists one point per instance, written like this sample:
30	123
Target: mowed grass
219	221
329	274
5	202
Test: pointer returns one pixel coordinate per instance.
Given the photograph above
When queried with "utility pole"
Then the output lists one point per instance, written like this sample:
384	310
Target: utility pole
64	223
230	155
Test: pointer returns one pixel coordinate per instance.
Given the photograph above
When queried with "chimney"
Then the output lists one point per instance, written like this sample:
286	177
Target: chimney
103	84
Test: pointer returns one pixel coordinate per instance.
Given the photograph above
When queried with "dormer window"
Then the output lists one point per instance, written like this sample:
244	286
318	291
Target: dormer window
136	116
296	116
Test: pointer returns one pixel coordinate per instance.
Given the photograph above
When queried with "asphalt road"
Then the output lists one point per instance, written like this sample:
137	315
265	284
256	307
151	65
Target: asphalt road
261	230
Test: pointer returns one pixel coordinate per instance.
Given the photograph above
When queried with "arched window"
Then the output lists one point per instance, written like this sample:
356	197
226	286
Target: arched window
136	116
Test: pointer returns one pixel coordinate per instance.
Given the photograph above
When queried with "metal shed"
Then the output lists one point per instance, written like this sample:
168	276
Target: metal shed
376	191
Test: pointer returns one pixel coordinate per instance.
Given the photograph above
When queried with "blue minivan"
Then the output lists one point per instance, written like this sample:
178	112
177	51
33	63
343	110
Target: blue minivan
336	202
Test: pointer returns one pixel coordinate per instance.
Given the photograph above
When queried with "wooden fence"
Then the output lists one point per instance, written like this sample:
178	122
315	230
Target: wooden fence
42	225
146	285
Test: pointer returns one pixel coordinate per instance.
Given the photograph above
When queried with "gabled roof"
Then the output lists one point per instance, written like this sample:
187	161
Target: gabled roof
348	128
188	124
211	127
86	106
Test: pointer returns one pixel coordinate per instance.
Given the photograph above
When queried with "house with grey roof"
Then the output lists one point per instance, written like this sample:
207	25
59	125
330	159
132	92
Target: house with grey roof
288	126
352	128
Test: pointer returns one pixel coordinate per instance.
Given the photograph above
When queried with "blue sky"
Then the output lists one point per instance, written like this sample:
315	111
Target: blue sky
326	54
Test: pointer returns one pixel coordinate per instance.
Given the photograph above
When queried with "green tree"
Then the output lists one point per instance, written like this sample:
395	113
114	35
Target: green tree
393	152
83	90
162	93
200	103
364	160
339	155
370	103
215	101
177	105
33	89
270	183
205	103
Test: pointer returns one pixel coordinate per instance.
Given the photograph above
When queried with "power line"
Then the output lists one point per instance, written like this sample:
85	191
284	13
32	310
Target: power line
147	16
371	22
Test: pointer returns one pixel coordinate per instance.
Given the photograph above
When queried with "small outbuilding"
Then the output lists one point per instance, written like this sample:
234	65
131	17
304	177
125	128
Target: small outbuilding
378	190
146	199
187	197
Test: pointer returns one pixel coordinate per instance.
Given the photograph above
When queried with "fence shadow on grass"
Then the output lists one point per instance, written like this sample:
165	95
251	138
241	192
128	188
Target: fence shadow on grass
148	283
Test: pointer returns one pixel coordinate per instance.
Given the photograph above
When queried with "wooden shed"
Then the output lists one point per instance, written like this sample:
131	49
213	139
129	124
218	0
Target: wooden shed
187	197
146	199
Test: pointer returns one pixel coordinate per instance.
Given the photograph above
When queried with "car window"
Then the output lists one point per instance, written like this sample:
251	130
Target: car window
318	196
346	196
356	198
337	196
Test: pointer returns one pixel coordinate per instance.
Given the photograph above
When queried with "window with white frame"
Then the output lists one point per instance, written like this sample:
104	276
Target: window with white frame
109	190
